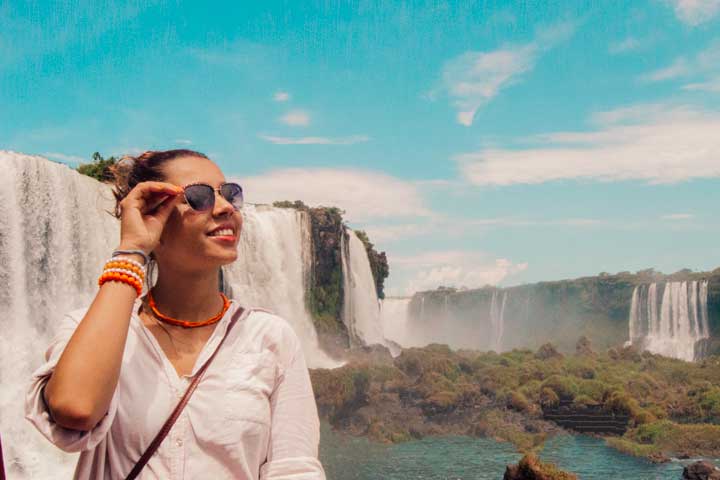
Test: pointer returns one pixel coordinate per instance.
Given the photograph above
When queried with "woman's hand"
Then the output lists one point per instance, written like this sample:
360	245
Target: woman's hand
144	213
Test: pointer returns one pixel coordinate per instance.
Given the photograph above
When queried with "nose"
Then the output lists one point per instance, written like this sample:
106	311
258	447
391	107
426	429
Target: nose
222	206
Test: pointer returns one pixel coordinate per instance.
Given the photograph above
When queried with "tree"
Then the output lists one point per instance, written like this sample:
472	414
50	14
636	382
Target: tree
99	168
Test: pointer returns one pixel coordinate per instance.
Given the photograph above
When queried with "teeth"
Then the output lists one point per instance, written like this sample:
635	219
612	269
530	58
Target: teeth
224	231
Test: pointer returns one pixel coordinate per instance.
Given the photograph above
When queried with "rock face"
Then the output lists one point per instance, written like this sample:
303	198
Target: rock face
597	307
701	471
325	295
530	468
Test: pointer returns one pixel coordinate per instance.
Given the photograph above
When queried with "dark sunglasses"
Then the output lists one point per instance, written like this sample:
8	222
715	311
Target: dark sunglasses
201	197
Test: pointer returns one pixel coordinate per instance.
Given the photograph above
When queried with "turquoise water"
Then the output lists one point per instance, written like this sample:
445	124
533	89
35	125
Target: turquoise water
463	458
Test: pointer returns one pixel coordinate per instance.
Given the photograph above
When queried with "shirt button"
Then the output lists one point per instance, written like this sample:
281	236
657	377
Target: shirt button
179	442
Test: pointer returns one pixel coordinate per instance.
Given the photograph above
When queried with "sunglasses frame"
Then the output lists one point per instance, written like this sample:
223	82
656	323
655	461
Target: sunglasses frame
215	190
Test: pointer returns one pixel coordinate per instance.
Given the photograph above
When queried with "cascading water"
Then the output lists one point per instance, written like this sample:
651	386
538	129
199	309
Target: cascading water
55	235
497	319
394	319
681	323
273	269
361	309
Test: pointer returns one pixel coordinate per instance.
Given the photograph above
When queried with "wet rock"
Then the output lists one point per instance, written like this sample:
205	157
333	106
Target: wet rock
701	471
530	468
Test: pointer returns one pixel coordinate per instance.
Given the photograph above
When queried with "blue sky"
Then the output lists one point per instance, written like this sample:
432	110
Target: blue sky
477	142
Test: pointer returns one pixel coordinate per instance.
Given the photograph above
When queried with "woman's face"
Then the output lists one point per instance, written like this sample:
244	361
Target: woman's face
187	238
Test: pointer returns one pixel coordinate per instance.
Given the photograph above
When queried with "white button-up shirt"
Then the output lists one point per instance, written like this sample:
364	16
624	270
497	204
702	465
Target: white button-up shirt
253	415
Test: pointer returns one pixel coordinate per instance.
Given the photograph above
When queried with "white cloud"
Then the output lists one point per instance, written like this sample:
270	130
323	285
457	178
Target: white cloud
296	118
679	68
363	194
66	158
629	44
459	227
474	78
183	141
712	85
388	233
655	143
453	268
704	62
695	12
678	216
281	96
315	140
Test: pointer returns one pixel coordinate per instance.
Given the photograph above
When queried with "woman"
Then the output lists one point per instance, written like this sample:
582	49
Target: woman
117	369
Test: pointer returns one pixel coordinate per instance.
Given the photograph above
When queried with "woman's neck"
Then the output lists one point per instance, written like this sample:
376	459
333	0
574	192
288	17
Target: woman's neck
190	296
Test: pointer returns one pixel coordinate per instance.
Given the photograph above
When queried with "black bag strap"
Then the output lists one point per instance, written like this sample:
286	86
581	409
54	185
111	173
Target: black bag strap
155	444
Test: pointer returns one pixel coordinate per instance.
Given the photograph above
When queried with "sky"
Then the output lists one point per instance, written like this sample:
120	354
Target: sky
477	143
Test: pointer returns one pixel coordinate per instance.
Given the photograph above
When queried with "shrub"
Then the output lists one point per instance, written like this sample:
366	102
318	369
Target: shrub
517	401
548	351
548	398
564	387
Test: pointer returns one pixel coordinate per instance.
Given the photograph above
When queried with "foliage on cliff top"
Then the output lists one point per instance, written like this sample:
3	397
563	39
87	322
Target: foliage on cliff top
441	391
99	168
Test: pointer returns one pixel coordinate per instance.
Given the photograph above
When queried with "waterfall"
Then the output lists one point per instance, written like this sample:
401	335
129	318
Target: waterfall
683	318
361	308
55	235
394	319
273	269
634	326
497	319
54	238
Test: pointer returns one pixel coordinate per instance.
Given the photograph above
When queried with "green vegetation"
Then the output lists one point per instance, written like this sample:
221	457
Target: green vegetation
99	168
325	293
673	406
597	307
378	263
325	296
297	205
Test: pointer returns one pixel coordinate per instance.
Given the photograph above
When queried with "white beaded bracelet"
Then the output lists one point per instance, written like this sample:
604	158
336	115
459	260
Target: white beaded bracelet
126	272
128	260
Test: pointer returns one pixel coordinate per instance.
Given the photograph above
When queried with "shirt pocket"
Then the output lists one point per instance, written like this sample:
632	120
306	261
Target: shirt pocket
250	380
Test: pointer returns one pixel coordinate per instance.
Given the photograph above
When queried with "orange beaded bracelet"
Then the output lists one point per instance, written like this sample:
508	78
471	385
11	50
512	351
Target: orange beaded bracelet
120	277
125	265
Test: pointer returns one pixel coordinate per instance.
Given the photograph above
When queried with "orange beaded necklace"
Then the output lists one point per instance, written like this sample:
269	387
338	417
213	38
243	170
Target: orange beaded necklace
185	323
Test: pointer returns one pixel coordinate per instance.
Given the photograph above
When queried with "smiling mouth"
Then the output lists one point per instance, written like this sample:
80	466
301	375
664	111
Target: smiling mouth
223	232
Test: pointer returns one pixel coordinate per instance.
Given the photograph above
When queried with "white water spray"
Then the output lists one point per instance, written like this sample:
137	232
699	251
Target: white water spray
497	319
55	236
682	322
273	271
361	309
394	319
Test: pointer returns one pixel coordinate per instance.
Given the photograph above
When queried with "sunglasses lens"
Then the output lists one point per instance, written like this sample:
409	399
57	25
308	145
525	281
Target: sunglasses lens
232	192
200	197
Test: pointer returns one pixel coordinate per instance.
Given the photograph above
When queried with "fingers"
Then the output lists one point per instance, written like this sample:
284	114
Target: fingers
166	207
147	196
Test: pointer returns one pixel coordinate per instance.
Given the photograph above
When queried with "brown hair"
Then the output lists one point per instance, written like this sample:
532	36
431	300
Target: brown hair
129	171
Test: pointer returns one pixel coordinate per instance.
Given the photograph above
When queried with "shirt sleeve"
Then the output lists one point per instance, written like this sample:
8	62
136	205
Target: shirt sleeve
36	410
295	426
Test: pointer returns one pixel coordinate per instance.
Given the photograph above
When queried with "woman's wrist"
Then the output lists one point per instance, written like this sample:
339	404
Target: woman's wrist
133	253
